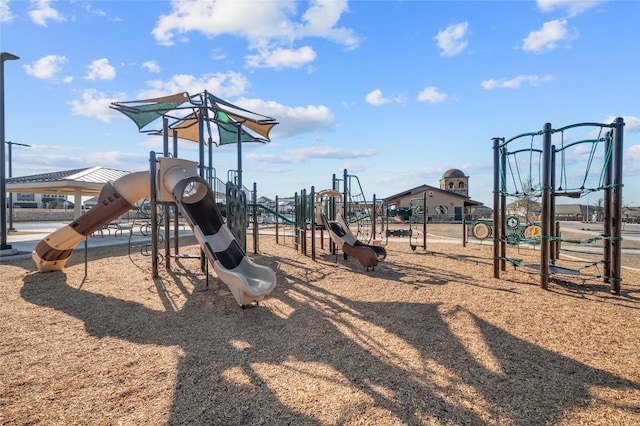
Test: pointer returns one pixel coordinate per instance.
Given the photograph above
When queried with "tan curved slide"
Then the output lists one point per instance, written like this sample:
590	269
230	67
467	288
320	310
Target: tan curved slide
53	252
341	235
247	281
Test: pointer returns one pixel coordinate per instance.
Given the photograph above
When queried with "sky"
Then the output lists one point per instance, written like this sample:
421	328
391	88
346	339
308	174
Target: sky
396	92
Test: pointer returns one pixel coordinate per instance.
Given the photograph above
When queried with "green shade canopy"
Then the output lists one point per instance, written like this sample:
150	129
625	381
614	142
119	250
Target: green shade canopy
183	112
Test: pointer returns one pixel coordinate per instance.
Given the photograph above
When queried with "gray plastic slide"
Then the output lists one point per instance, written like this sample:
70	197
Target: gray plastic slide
247	280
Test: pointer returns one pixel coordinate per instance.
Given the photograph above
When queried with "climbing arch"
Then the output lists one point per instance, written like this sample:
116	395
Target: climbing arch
551	163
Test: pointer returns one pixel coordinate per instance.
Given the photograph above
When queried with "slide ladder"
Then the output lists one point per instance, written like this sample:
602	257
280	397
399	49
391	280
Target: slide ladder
359	215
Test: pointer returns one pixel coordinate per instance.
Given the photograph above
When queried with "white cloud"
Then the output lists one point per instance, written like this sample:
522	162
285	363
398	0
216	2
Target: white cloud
113	158
100	69
573	7
356	166
151	66
47	67
54	148
271	158
631	124
548	37
96	105
293	120
271	31
320	20
633	153
40	12
223	85
74	158
89	8
214	18
432	95
299	155
43	163
375	98
5	12
218	54
451	41
581	151
516	82
281	58
331	152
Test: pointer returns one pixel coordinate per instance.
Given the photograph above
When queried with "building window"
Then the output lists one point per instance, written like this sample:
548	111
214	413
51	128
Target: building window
450	185
461	185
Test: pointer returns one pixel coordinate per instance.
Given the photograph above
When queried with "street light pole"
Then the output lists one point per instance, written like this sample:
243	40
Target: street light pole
11	228
4	56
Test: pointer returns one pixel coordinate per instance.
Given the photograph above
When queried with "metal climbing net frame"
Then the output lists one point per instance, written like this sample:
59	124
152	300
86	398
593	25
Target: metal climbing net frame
531	165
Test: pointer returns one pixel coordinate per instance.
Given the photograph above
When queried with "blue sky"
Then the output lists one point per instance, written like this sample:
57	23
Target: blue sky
396	92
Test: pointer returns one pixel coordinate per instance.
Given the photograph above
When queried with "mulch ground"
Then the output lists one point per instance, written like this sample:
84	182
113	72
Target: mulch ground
428	337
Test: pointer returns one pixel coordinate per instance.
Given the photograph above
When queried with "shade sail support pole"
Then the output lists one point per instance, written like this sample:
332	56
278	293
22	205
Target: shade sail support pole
239	131
204	266
153	214
166	214
201	144
209	140
176	227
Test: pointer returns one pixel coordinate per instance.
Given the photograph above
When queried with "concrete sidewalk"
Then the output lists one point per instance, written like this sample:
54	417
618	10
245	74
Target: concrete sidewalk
28	235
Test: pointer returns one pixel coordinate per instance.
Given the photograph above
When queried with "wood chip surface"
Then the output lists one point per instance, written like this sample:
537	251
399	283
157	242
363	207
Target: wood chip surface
427	338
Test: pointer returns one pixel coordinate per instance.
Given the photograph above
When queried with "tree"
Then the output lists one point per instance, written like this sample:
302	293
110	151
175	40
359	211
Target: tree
527	202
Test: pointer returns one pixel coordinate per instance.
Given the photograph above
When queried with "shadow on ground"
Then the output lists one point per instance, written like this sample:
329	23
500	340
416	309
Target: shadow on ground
400	358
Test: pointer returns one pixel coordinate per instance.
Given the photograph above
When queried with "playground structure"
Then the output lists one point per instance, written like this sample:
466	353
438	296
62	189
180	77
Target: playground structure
416	213
340	233
353	221
356	211
175	181
517	231
185	186
173	188
547	176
